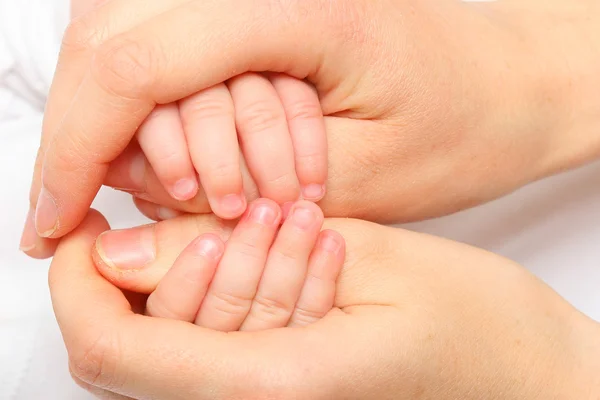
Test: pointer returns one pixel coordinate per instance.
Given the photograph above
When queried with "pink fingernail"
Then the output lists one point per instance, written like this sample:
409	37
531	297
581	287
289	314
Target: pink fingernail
234	204
330	243
303	217
263	214
127	249
29	236
46	215
313	192
165	213
137	172
184	189
209	247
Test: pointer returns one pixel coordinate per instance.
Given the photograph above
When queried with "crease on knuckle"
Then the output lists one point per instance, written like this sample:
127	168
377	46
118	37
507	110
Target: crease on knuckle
289	253
249	251
206	107
223	172
231	304
95	361
271	307
278	185
82	34
304	110
306	315
126	68
164	309
259	117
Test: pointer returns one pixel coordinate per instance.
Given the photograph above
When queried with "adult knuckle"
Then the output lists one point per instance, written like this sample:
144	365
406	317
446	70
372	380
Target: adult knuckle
260	116
94	358
83	34
126	67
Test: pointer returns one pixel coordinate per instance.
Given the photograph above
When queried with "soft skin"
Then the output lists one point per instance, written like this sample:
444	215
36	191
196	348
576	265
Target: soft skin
422	318
431	107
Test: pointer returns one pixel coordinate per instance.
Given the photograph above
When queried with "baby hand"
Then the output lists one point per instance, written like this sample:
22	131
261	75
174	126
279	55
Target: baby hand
264	277
275	122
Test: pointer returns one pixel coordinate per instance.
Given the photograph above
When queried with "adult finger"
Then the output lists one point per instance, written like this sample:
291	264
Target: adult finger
83	36
117	351
133	72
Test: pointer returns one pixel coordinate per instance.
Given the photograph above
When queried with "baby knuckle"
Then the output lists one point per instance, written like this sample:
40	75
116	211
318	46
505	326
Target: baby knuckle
259	117
231	304
224	171
125	67
203	107
271	306
303	110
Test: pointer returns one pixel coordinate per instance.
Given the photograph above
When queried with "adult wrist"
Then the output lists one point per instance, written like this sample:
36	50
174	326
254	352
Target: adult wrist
562	39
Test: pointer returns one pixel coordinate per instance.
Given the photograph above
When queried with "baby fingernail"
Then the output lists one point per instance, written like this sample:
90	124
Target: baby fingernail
263	214
303	217
313	192
184	189
209	247
330	243
46	214
165	213
127	249
234	204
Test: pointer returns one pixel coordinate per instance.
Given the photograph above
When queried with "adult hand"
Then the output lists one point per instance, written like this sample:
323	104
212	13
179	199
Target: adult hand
422	318
431	106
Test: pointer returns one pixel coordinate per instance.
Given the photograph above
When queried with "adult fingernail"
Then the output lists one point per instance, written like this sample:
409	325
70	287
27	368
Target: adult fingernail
209	247
330	243
46	214
127	249
303	217
233	204
184	189
29	236
263	214
313	192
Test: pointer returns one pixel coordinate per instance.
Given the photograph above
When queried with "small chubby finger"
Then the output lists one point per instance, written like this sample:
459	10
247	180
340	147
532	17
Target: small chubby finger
318	293
154	211
306	125
181	291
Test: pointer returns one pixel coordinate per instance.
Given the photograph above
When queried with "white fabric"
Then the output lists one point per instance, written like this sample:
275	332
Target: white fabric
552	227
